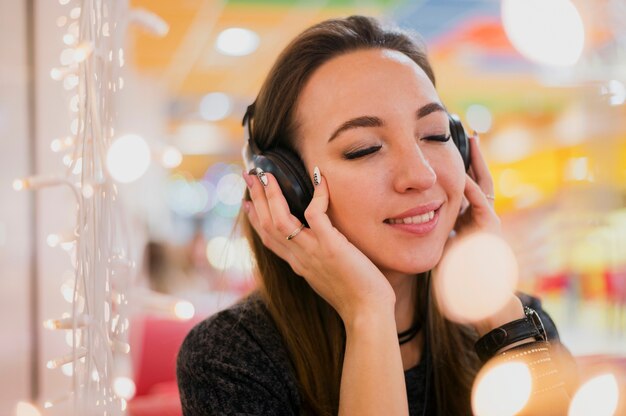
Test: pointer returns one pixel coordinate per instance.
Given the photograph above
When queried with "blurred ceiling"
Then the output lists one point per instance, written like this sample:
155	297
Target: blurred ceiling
473	60
467	44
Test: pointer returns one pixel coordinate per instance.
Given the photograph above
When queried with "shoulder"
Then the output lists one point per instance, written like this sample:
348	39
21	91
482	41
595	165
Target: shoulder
241	327
235	359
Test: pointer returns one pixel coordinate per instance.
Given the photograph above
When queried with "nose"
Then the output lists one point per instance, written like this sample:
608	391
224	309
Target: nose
413	170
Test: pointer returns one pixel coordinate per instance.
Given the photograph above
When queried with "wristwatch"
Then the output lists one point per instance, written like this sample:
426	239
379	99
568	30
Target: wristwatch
528	327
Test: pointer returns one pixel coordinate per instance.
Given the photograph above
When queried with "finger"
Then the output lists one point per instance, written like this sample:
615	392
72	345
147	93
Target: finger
315	213
257	196
285	223
290	254
268	241
479	167
475	195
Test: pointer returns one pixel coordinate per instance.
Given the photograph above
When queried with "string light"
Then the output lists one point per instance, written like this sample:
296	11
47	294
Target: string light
67	323
18	184
58	145
95	330
69	358
69	39
82	51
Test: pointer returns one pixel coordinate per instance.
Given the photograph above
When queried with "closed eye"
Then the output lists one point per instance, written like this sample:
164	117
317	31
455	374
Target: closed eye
439	138
361	152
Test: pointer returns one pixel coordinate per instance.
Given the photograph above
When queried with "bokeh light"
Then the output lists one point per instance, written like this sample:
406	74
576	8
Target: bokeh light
128	158
215	106
68	369
184	310
479	118
548	32
501	390
511	144
26	409
187	198
598	396
476	278
171	157
237	41
230	189
224	254
124	387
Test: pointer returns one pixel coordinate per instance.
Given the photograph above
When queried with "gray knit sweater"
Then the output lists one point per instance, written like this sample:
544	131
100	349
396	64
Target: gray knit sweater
234	363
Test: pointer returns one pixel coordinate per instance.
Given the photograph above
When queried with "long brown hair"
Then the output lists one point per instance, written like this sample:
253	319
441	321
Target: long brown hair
312	330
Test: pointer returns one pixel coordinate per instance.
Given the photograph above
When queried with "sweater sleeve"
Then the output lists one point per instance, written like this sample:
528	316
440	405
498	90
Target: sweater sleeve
228	365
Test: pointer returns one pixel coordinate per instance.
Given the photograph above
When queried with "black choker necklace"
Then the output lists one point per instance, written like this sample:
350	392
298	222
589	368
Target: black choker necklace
409	334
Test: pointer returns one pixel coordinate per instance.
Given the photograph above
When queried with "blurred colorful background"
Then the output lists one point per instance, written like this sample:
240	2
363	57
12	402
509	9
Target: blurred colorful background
542	81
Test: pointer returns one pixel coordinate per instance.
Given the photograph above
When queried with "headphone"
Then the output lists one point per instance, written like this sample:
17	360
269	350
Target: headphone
291	175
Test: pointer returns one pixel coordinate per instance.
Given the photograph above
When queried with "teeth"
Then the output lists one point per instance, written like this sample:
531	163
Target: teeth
418	219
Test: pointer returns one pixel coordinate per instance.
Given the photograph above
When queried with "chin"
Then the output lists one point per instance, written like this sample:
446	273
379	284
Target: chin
414	265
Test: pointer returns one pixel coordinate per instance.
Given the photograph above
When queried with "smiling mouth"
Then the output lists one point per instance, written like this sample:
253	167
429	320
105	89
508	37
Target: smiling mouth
416	219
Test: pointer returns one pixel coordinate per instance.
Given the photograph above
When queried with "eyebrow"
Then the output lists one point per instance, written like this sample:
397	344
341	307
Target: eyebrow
371	121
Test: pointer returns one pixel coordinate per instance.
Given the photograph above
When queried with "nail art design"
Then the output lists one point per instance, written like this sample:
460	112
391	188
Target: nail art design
261	175
317	177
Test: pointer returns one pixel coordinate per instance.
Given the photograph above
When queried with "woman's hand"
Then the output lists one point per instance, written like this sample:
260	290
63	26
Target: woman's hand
333	267
479	215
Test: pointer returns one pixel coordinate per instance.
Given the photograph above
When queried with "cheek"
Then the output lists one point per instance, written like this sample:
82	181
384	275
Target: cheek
352	197
450	171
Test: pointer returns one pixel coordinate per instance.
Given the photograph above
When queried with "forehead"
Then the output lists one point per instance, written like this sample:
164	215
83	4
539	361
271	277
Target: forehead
370	81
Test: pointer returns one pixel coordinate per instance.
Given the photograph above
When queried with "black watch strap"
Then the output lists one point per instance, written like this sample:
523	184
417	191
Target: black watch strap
528	327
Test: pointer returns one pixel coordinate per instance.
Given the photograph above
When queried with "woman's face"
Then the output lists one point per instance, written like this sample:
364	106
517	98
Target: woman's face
373	123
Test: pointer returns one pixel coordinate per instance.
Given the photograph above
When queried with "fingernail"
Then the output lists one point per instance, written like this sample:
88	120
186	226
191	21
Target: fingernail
475	137
317	176
247	178
261	175
246	206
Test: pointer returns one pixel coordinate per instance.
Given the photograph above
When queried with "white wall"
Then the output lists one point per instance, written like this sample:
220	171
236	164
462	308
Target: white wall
15	242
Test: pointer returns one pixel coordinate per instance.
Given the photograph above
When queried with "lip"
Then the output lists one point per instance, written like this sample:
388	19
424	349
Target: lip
418	229
421	228
419	210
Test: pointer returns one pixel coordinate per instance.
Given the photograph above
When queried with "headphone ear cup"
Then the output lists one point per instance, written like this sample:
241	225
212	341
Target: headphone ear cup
460	139
291	176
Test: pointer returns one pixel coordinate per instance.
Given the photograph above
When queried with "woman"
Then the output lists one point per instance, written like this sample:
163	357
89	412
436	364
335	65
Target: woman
355	104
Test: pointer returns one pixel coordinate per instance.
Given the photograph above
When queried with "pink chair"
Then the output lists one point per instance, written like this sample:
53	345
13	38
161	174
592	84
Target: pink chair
155	343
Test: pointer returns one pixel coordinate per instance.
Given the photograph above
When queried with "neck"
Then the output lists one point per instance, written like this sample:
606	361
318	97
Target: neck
404	288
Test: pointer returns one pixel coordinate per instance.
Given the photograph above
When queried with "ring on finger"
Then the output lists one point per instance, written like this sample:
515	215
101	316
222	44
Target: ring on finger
490	196
295	232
